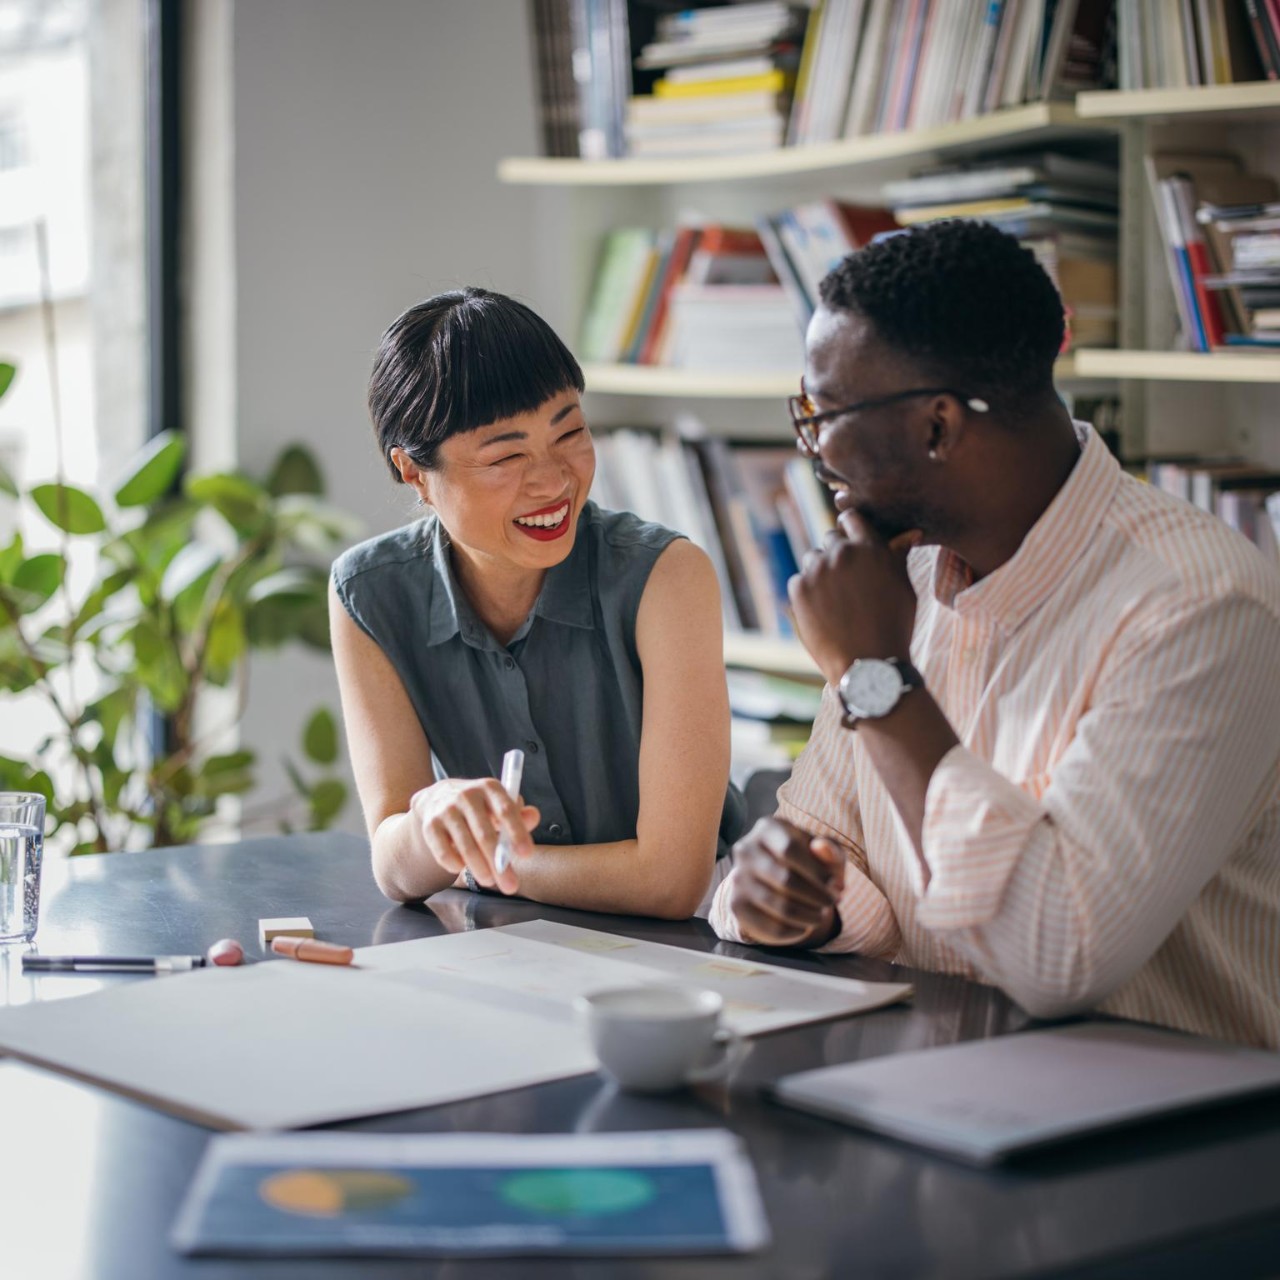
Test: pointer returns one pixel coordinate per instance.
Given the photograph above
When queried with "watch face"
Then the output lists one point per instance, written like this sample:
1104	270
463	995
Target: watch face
871	688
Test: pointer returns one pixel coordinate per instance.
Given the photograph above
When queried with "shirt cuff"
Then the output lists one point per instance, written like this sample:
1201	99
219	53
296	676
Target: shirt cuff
868	926
720	917
977	825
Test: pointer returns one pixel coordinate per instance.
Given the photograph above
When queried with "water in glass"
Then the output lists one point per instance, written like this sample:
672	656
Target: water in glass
21	851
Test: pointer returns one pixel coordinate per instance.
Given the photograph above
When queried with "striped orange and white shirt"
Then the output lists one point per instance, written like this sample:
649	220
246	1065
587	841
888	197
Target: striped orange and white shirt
1107	835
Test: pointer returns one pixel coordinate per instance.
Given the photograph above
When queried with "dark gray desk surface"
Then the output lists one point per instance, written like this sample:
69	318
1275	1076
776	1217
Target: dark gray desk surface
89	1183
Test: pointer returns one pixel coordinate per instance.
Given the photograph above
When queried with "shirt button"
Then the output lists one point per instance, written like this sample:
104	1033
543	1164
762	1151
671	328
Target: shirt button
532	747
554	830
509	663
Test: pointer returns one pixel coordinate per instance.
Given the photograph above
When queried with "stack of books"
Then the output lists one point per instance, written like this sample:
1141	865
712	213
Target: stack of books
1064	208
1245	496
703	296
880	66
1247	286
754	508
1179	44
726	87
807	240
1217	236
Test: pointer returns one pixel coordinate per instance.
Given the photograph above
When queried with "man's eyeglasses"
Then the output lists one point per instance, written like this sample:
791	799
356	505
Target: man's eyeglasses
805	416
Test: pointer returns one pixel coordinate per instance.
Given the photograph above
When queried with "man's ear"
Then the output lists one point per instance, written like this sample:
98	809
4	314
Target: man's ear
945	427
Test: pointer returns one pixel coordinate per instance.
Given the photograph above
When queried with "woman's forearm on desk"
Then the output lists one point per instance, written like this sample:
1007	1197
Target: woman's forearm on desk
618	878
402	867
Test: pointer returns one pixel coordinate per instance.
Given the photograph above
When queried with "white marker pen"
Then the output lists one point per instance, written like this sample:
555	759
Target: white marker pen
512	774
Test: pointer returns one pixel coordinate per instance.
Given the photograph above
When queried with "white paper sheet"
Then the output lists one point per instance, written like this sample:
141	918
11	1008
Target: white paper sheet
285	1045
549	964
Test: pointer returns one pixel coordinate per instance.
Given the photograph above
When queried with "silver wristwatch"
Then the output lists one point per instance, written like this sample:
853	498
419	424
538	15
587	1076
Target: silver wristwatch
872	687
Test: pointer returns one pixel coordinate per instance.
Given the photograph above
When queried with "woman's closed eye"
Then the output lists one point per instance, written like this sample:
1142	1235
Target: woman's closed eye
570	436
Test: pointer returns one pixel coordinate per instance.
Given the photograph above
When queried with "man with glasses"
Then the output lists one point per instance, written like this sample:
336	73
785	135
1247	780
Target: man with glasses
1048	755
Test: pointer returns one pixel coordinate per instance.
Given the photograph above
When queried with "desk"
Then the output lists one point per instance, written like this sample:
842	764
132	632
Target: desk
99	1179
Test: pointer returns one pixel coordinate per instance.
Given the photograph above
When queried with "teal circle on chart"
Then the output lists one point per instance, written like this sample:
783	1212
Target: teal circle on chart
572	1192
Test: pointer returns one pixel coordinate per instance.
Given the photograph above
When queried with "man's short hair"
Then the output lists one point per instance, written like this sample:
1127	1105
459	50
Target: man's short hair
963	299
459	361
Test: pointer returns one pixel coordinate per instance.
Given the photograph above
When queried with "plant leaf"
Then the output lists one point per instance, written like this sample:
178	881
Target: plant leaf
7	483
241	502
69	509
6	375
227	642
40	576
320	737
295	471
158	668
11	558
194	561
327	798
152	471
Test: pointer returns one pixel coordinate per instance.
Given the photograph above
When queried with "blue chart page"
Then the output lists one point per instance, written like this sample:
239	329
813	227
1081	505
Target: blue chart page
458	1194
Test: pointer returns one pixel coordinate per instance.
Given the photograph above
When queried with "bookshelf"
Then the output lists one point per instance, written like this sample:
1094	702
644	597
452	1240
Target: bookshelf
1178	366
1035	124
1257	101
766	653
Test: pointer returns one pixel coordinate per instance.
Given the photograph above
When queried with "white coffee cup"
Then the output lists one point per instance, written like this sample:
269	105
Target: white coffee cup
653	1038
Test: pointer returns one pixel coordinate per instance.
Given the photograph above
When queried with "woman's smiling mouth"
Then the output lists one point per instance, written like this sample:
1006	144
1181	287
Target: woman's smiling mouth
544	525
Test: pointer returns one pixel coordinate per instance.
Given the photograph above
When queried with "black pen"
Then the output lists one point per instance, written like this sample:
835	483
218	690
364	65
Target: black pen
111	964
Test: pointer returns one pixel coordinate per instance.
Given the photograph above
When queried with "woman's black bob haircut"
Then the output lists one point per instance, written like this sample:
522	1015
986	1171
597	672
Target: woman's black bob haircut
459	361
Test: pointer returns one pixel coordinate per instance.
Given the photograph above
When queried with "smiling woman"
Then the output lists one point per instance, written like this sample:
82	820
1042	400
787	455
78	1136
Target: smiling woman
518	614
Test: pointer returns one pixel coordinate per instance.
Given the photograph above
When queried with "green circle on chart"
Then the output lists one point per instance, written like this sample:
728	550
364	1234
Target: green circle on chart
569	1192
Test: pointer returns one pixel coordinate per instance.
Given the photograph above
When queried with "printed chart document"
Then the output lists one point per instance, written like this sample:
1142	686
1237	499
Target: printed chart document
548	964
473	1194
987	1099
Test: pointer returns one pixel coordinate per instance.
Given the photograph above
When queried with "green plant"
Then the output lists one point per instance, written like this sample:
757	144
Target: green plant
158	591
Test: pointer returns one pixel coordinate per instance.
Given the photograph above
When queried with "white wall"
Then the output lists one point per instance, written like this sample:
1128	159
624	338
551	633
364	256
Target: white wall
363	144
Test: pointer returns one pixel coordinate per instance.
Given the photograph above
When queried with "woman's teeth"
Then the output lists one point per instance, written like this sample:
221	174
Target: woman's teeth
548	521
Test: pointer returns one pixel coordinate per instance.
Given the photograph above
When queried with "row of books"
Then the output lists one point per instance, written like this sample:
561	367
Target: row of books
1180	44
880	66
718	298
726	82
725	74
1061	206
1245	496
754	508
1220	225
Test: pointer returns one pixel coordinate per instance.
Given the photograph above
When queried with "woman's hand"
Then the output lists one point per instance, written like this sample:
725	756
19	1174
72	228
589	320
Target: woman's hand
460	821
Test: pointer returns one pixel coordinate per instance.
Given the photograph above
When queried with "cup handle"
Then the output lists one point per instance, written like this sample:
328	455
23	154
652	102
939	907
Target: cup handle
729	1049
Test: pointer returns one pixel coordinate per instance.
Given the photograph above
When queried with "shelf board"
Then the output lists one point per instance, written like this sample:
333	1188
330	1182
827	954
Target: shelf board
1036	122
768	653
1259	99
1180	366
655	380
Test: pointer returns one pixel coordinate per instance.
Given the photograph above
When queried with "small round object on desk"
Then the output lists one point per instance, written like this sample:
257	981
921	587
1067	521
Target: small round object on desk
226	951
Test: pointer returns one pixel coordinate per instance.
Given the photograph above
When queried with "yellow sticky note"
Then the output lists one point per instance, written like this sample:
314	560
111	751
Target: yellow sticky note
722	969
600	944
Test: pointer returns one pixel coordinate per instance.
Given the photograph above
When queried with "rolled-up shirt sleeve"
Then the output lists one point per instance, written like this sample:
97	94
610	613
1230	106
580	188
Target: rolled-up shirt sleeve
1060	898
820	797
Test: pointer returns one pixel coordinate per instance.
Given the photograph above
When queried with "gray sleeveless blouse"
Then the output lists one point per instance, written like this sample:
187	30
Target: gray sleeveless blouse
568	689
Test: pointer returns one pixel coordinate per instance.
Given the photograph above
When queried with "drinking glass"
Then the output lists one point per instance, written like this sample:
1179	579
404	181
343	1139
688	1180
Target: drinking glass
21	852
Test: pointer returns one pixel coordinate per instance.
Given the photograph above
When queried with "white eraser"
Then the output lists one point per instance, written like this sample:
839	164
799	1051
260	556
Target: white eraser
283	927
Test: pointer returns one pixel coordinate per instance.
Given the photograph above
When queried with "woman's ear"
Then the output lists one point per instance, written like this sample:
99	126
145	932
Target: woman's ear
412	474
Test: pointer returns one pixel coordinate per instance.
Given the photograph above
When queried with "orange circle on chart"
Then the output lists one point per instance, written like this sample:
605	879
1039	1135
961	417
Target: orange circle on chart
326	1193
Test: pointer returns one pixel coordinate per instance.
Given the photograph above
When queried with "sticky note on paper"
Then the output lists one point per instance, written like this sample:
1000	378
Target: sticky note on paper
722	969
599	942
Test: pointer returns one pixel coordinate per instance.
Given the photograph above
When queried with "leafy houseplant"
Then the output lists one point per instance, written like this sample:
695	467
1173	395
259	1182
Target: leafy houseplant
181	583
